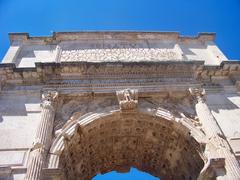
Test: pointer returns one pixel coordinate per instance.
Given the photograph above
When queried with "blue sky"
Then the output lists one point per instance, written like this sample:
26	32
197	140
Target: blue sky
134	174
186	16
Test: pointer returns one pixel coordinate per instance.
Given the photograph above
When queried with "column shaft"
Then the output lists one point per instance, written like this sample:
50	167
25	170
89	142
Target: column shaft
43	138
212	130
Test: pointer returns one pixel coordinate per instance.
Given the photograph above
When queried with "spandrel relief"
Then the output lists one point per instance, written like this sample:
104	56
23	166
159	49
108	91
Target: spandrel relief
74	108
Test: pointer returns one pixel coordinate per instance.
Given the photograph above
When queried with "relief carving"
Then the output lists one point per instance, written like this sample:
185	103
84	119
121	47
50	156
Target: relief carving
71	109
118	52
49	99
210	166
128	99
198	93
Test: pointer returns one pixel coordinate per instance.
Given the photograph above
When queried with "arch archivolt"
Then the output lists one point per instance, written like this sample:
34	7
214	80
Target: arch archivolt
151	139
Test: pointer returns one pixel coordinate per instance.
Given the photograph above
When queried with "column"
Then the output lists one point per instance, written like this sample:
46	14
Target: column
42	141
215	136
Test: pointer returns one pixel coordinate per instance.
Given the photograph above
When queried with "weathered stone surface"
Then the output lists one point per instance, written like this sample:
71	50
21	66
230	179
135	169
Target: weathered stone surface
128	99
108	46
118	142
123	100
119	51
43	138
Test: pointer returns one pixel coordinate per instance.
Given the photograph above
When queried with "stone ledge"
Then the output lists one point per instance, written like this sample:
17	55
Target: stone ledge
7	170
224	64
47	72
48	172
124	35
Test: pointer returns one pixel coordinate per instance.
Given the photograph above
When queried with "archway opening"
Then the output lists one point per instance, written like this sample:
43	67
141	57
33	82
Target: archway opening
132	174
160	147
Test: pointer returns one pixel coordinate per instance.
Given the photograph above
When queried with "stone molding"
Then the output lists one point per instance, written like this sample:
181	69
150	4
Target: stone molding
69	36
45	72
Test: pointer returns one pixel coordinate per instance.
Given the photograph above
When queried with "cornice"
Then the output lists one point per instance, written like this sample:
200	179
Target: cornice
104	35
45	73
91	78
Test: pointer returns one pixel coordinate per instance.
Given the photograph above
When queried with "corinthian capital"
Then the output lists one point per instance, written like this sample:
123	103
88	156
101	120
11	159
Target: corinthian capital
198	93
49	98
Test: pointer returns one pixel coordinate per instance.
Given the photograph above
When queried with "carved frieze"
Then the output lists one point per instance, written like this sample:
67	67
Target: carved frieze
117	51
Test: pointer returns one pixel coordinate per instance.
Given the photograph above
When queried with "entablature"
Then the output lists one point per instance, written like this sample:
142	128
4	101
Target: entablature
63	74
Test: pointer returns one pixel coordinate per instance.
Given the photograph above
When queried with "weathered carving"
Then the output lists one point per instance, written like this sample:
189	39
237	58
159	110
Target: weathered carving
49	99
209	169
198	93
119	141
128	99
118	52
217	146
73	108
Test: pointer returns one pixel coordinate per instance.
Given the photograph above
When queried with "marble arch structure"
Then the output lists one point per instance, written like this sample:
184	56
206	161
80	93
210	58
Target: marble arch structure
77	104
124	141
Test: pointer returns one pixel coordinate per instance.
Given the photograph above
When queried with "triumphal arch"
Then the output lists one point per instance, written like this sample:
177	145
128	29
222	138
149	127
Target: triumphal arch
77	104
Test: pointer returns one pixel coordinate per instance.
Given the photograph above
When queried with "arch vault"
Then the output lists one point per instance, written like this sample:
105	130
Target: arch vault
152	141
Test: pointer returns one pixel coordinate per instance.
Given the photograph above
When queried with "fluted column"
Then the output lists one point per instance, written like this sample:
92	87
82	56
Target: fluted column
43	136
215	136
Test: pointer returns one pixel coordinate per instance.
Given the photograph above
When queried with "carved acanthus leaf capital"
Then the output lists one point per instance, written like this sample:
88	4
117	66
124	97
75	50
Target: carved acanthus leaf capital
49	99
128	99
198	93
